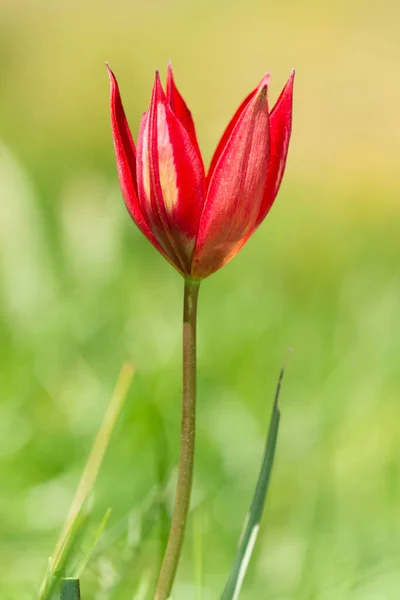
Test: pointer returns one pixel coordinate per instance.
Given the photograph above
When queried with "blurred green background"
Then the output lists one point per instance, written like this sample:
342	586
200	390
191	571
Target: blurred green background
81	291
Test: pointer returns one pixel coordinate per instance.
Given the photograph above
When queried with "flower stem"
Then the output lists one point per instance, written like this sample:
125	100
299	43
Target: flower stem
188	429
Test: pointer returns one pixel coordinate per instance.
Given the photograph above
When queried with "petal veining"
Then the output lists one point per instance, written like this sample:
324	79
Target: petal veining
236	188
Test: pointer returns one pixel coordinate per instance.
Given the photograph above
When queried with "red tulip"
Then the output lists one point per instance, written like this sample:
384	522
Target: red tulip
199	222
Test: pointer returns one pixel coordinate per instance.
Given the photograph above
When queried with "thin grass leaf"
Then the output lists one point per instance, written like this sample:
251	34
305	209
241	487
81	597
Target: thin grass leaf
81	567
87	481
72	543
70	589
253	518
97	453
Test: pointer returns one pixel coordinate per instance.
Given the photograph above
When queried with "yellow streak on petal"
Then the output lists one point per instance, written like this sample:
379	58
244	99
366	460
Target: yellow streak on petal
166	163
145	162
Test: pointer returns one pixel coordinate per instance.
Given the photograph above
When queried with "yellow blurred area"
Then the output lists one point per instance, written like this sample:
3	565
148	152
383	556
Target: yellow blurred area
346	123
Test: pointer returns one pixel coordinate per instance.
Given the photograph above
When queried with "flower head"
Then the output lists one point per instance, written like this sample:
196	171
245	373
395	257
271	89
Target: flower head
199	221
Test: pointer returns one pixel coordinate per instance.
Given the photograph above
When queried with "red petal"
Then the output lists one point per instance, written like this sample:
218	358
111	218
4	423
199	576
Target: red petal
236	188
147	204
171	180
227	133
280	121
179	107
125	154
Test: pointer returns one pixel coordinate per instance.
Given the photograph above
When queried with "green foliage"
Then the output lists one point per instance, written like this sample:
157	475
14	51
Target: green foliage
70	589
253	517
67	546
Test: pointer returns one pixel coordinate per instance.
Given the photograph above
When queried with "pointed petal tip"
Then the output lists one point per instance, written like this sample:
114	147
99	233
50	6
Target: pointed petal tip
157	80
170	78
262	89
112	78
158	90
170	87
290	81
288	87
265	81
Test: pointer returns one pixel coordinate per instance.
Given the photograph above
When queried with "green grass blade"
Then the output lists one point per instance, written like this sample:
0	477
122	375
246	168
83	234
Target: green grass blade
87	480
82	565
70	589
70	549
96	456
253	518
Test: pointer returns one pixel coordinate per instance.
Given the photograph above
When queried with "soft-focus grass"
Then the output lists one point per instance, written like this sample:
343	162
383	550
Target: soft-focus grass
81	291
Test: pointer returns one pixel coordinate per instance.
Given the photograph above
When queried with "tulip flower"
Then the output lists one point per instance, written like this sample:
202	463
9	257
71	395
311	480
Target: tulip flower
199	222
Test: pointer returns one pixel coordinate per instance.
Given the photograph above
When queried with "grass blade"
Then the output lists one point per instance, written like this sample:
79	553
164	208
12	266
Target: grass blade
87	480
70	549
253	518
93	545
70	589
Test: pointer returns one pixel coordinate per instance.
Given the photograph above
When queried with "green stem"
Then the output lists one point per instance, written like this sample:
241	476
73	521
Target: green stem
188	429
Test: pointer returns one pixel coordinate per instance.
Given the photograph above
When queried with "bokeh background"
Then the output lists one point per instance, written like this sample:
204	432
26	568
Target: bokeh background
81	291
